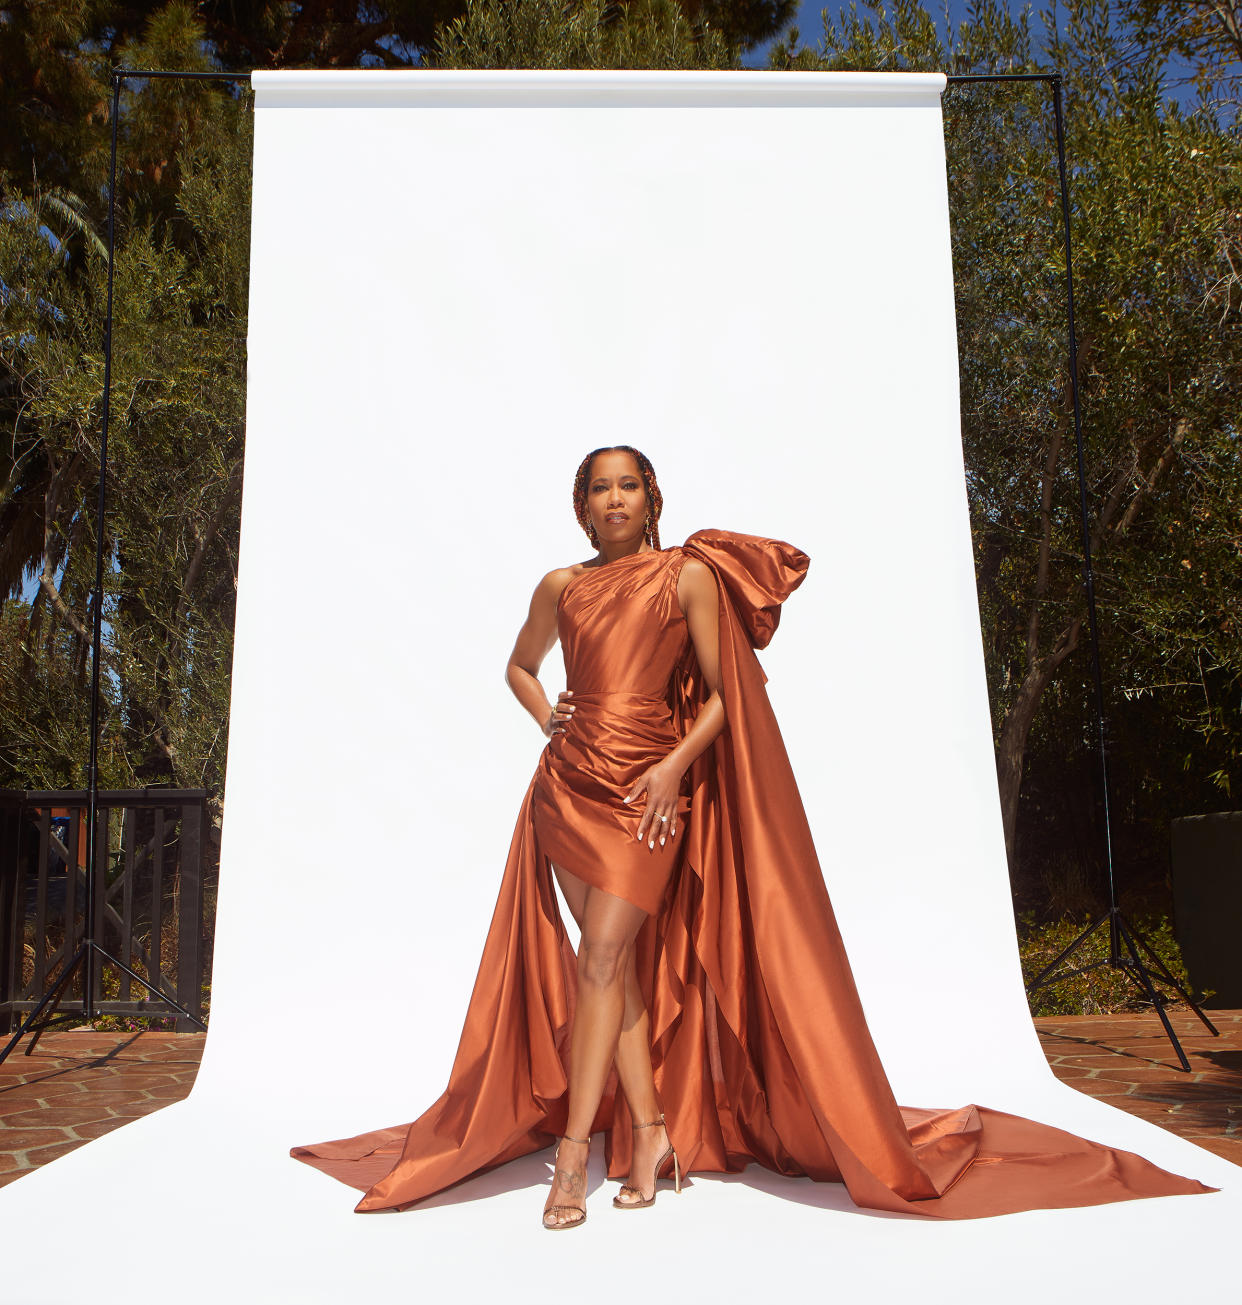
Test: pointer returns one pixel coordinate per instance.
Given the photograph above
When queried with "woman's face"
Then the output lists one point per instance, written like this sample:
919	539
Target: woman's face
616	498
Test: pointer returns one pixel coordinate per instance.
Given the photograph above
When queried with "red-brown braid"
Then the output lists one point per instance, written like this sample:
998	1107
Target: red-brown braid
655	500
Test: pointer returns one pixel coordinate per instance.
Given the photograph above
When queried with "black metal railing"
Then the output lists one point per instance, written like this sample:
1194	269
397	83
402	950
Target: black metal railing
148	898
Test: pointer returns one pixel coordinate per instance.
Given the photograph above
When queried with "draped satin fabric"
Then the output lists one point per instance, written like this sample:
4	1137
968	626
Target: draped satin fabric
759	1045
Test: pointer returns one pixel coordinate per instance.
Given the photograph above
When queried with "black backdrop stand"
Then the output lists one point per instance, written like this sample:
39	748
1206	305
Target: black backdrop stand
1119	928
46	1012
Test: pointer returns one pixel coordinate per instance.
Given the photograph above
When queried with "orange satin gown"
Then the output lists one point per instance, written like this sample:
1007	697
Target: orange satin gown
759	1044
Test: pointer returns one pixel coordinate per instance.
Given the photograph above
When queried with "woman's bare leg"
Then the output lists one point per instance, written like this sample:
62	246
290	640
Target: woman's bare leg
609	927
633	1055
634	1050
638	1083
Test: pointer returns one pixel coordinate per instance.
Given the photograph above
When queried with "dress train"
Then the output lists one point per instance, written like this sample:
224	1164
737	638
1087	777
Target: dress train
760	1048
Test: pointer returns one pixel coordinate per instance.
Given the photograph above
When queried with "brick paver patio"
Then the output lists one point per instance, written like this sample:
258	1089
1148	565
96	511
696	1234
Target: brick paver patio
79	1085
1129	1062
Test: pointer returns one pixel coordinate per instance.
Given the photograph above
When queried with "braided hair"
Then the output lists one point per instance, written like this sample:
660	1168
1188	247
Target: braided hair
655	500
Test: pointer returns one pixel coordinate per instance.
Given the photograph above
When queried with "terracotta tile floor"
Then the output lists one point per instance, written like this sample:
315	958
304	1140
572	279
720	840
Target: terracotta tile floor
1129	1061
79	1085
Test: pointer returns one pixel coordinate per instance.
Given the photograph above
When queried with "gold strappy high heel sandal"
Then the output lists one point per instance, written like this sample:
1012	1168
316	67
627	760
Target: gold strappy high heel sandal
643	1202
577	1209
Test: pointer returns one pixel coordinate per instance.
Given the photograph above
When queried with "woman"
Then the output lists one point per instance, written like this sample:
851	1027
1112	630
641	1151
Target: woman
616	885
711	985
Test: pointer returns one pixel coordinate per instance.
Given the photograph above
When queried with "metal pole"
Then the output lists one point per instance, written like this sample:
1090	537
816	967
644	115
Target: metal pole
952	78
146	73
1088	568
93	868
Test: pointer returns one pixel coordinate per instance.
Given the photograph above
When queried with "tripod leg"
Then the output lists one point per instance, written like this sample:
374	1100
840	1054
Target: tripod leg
54	994
1082	969
1038	981
1164	970
155	992
1156	999
51	997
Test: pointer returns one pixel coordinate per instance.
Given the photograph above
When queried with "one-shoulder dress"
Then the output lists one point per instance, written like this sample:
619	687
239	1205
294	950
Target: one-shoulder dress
759	1045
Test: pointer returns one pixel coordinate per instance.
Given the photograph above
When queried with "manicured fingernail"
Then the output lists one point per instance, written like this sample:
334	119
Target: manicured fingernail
651	842
627	798
661	840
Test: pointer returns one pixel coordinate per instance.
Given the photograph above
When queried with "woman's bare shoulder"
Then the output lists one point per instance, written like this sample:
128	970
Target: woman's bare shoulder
696	569
696	576
555	580
696	584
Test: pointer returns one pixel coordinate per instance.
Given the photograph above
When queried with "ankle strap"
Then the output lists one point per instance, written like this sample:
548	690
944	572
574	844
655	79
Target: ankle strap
651	1123
574	1139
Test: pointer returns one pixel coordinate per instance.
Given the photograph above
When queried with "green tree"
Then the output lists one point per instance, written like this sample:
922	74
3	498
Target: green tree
1155	198
1205	35
592	34
175	447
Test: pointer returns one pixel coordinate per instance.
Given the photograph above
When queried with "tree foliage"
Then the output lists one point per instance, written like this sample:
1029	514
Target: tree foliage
1205	39
1156	203
592	34
1157	264
175	442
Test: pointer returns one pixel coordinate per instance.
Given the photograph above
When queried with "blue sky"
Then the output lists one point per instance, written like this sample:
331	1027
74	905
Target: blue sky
810	25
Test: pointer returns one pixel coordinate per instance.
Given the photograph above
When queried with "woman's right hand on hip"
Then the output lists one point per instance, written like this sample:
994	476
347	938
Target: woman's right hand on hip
559	719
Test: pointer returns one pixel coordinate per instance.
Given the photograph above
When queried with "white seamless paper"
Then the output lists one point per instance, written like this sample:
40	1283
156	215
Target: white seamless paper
460	284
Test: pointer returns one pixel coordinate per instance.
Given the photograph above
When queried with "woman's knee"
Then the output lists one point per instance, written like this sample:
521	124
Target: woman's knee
602	962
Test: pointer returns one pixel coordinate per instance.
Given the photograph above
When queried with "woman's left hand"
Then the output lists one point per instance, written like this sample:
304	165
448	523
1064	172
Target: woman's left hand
662	783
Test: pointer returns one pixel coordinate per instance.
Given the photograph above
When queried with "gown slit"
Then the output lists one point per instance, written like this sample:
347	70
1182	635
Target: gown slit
760	1049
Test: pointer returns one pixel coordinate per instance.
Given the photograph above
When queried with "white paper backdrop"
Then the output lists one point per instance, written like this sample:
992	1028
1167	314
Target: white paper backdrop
461	283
